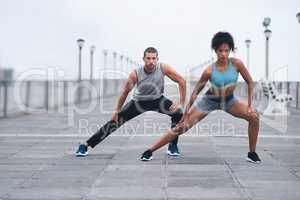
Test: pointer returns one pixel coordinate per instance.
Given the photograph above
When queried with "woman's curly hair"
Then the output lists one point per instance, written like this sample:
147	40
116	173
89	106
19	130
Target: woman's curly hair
222	38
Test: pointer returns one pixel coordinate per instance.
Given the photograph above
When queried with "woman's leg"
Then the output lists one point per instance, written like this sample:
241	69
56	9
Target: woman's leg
191	119
240	110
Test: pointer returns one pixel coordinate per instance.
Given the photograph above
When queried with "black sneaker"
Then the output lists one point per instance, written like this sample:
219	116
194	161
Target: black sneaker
173	150
253	157
147	155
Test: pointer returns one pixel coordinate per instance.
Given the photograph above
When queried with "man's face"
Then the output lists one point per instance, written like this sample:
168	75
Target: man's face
150	60
223	52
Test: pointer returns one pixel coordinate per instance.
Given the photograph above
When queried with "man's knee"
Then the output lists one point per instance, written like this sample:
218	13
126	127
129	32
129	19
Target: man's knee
113	125
177	116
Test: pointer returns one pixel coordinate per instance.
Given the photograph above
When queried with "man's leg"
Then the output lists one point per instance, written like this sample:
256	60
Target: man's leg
164	106
129	111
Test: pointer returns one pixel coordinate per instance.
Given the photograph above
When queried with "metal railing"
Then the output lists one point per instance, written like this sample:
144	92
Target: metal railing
22	96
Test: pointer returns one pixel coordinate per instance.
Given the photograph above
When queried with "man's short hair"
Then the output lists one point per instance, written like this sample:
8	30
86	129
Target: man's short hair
150	50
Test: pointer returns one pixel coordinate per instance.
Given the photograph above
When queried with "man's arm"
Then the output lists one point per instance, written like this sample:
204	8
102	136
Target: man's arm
131	81
174	76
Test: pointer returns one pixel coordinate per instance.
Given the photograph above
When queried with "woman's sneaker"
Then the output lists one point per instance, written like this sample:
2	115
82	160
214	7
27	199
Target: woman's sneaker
147	155
82	150
253	157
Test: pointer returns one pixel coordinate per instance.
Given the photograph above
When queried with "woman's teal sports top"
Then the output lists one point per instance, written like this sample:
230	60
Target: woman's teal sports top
224	79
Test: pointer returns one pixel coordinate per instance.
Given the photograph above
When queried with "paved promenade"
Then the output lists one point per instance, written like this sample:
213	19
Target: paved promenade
37	159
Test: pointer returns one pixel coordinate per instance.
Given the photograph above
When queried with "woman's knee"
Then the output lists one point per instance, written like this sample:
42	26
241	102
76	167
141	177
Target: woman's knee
181	128
253	117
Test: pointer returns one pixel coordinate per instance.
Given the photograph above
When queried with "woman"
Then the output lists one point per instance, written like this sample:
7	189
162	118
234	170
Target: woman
223	75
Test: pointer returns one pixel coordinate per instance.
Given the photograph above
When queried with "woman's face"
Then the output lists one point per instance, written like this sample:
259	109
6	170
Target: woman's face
223	52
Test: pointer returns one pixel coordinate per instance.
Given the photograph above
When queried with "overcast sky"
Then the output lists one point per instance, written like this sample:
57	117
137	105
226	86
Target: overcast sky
37	34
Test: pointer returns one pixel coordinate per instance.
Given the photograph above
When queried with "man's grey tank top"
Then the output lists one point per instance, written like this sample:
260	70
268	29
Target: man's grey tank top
149	86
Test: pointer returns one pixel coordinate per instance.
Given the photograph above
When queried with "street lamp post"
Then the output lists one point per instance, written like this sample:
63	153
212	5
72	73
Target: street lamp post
127	63
248	42
80	43
131	63
114	71
104	81
267	32
114	63
121	63
104	60
298	16
92	50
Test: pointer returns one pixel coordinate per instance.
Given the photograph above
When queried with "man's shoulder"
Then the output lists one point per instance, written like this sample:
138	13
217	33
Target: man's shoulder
133	75
165	67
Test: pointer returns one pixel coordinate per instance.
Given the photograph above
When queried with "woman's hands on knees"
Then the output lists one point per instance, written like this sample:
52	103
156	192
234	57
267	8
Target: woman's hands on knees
181	127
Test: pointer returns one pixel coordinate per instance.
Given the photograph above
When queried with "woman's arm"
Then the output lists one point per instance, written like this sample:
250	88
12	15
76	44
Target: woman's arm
199	86
247	77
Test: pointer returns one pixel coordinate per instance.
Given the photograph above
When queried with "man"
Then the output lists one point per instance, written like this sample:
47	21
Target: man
147	96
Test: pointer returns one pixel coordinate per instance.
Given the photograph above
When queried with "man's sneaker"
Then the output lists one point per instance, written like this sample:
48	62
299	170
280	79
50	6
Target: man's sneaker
82	150
253	157
173	150
147	155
